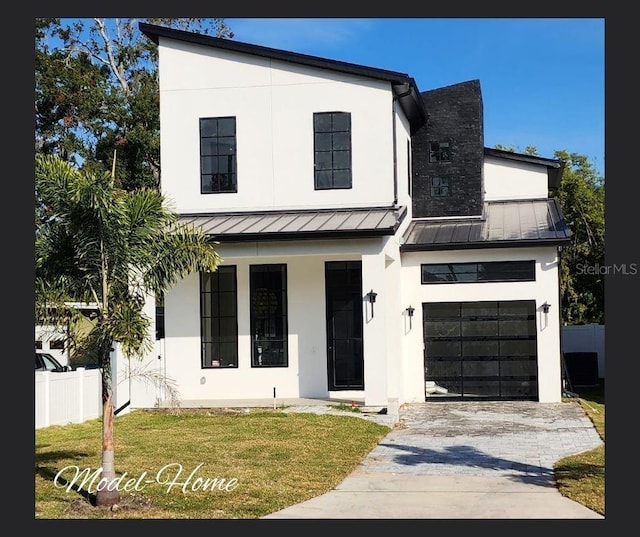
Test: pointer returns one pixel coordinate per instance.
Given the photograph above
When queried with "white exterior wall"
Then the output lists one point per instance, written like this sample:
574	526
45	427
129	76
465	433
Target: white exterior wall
403	161
511	180
273	103
306	374
544	289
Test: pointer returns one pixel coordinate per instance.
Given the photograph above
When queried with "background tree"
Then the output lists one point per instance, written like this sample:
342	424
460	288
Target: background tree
103	244
581	197
96	90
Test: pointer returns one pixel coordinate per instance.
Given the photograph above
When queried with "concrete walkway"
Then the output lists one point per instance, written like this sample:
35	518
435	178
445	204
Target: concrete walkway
464	460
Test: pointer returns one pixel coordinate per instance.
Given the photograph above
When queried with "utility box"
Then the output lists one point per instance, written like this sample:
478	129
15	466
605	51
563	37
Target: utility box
581	368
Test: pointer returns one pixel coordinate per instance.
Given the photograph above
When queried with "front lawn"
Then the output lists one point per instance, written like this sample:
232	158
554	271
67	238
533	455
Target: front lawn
200	463
581	477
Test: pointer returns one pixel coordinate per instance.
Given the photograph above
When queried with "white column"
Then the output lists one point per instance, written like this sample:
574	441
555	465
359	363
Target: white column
374	330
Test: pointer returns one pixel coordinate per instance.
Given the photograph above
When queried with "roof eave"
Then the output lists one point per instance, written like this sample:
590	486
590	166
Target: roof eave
302	235
526	243
411	104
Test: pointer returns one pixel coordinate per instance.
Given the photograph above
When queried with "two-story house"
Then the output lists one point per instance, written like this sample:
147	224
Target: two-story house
372	248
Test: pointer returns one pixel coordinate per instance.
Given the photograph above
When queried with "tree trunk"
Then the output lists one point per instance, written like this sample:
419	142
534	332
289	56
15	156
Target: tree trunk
104	496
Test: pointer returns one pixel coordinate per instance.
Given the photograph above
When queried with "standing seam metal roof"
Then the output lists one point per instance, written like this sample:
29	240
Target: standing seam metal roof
274	225
503	223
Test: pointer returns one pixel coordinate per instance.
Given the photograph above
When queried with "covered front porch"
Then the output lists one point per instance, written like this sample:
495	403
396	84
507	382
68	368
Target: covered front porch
295	323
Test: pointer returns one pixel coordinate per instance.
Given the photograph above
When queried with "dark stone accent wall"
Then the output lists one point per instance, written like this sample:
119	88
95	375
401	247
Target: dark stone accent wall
455	115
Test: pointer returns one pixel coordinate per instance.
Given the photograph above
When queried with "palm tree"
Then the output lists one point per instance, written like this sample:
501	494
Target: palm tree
98	243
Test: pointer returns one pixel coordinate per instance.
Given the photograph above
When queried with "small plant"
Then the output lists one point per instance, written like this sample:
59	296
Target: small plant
347	407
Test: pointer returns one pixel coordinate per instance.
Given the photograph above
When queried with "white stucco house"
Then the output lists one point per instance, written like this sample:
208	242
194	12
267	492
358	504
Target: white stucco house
372	248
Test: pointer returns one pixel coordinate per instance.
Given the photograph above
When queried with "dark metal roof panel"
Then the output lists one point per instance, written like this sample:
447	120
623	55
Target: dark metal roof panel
299	224
504	223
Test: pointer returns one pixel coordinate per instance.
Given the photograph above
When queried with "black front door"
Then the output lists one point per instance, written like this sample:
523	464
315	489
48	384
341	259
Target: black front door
343	281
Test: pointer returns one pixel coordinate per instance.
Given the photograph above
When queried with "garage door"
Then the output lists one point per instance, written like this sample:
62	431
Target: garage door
480	350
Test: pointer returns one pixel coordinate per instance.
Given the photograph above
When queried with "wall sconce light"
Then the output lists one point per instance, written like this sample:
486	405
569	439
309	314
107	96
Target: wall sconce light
372	298
410	312
545	307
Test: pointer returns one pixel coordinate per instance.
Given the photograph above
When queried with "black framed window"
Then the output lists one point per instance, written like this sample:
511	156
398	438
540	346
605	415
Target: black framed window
439	151
439	187
218	166
268	310
490	271
332	150
219	317
409	167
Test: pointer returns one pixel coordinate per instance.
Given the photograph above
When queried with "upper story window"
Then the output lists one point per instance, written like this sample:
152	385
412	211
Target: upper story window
439	152
439	187
218	155
409	167
490	271
332	150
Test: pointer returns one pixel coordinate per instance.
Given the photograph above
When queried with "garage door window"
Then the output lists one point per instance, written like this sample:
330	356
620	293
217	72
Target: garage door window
481	349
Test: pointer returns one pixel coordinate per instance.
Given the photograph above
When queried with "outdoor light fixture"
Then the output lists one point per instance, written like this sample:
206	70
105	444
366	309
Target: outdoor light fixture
545	307
410	311
372	298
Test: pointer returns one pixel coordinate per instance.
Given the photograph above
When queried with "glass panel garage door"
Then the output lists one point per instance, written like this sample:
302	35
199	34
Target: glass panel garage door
484	350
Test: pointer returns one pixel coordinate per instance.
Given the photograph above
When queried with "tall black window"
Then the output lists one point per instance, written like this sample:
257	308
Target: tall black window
218	155
268	303
219	317
332	150
491	271
439	152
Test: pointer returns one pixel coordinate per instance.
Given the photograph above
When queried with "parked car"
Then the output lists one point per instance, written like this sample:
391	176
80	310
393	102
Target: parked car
46	362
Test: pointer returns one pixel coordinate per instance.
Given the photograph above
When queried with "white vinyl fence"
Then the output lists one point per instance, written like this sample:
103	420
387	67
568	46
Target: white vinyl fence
585	338
69	397
76	396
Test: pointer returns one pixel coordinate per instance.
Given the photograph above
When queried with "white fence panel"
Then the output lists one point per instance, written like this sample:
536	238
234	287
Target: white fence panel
70	397
585	338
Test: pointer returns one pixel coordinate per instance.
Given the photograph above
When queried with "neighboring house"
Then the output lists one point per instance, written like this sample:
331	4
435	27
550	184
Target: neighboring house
372	248
54	339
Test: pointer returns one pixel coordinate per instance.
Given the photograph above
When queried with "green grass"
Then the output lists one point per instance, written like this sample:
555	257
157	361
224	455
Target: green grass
581	477
278	460
346	408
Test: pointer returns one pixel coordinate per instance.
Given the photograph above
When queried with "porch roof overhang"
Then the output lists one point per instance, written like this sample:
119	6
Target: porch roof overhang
299	224
517	223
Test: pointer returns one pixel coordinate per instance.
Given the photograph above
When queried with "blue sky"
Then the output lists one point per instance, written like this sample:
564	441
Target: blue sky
542	79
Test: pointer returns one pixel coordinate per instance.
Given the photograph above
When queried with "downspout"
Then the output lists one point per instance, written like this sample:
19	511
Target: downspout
396	96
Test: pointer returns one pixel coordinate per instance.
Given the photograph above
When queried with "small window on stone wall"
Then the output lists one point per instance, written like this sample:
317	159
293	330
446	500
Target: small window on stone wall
439	187
439	152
